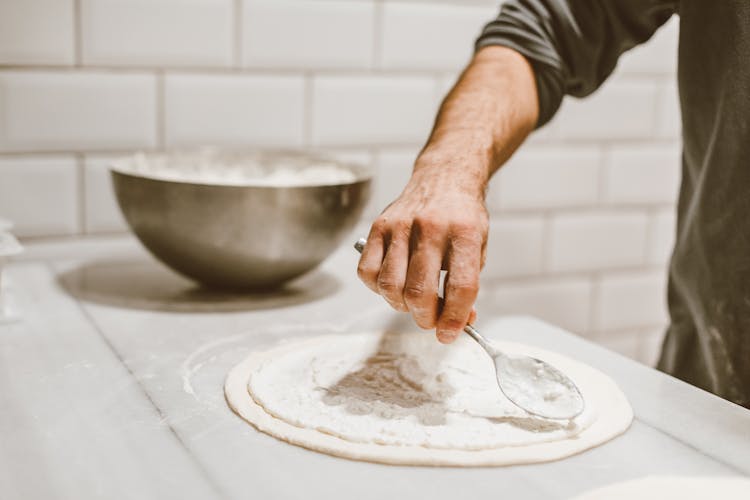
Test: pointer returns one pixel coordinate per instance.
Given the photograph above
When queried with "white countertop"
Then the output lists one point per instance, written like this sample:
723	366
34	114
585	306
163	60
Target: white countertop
111	387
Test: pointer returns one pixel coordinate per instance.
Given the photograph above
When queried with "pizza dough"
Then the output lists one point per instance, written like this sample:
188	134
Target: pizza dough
673	487
403	398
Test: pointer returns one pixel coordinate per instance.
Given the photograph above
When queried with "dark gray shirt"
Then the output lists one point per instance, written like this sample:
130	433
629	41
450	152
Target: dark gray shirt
573	46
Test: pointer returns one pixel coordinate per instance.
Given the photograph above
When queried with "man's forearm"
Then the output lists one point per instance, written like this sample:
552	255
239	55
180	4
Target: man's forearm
440	220
485	117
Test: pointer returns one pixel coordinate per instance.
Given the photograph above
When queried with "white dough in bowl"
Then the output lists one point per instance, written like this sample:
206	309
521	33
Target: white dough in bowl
403	398
260	170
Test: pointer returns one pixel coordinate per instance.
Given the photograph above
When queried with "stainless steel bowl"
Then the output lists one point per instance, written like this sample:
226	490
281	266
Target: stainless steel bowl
239	236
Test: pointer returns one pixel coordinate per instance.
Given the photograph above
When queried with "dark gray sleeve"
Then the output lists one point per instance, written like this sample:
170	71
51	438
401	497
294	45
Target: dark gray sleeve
573	45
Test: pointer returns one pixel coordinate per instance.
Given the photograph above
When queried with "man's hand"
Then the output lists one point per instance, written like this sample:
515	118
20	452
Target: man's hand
440	220
434	224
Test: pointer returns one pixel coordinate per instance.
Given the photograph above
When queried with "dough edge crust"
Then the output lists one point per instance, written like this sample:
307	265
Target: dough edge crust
614	418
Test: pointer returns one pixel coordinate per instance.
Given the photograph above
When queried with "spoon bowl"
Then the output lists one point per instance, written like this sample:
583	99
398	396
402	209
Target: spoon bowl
532	384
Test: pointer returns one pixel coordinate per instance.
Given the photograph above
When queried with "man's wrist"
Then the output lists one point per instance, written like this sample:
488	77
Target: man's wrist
464	164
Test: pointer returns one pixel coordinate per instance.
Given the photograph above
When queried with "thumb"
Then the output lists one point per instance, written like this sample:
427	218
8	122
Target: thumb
473	315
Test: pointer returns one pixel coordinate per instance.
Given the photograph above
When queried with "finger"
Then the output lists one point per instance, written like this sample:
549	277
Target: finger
461	288
371	259
392	274
483	258
422	279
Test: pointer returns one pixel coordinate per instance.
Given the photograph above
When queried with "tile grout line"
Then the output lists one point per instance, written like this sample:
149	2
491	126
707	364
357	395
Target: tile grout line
377	35
160	110
650	236
77	35
594	319
546	243
605	158
81	184
308	109
238	26
428	73
659	115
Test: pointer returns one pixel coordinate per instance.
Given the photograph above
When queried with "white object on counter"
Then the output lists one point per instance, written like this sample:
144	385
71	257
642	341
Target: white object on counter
5	225
9	246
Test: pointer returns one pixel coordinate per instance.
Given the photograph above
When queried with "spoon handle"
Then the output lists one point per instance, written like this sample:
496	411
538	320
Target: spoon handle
474	333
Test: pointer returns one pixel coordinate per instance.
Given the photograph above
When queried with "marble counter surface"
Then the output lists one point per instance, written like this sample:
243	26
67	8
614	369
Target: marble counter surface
111	387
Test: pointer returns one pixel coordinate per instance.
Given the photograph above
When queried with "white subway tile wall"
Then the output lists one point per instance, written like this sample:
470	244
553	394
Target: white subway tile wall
641	291
548	178
37	32
40	194
642	176
393	172
560	300
382	110
101	213
597	240
288	34
624	108
430	35
515	246
661	237
658	56
157	32
582	216
234	110
76	110
669	116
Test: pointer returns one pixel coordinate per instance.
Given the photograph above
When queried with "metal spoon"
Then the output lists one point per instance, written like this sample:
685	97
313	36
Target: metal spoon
531	384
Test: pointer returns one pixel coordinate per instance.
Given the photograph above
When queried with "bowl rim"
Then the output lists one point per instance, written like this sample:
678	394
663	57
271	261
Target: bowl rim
363	173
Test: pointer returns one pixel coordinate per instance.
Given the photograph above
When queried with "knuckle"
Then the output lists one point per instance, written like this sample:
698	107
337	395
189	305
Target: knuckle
424	321
388	286
446	339
380	224
429	224
415	292
464	228
468	234
467	289
401	228
368	273
451	323
454	318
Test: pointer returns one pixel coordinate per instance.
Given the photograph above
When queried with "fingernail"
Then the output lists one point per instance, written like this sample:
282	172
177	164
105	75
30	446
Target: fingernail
446	336
397	306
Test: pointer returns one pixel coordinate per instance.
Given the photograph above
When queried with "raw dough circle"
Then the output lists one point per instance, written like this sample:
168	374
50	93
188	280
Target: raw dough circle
673	487
402	398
